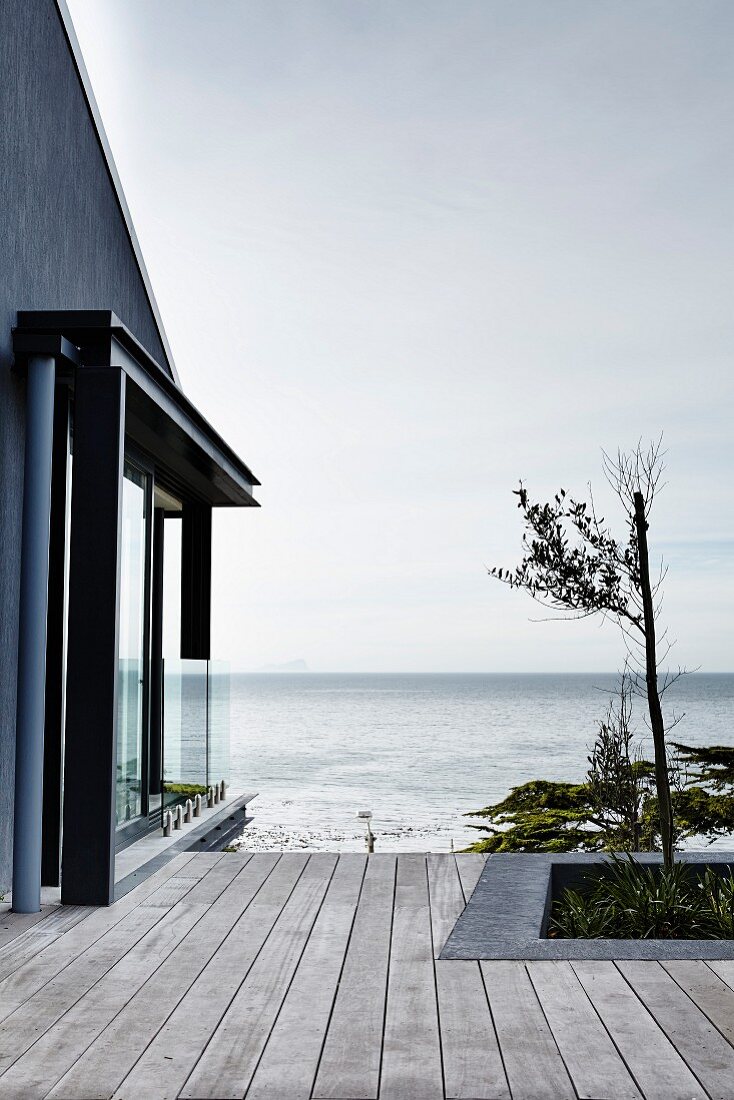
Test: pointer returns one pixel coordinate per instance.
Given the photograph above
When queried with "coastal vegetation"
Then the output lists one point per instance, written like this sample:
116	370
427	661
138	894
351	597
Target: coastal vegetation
627	900
614	808
573	564
184	790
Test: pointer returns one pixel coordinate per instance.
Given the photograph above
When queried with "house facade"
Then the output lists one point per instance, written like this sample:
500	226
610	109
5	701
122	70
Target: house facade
101	454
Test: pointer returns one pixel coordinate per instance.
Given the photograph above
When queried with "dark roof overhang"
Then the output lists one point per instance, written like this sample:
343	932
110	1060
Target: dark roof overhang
192	457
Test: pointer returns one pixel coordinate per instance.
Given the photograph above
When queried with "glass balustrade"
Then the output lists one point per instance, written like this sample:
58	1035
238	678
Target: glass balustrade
218	713
195	728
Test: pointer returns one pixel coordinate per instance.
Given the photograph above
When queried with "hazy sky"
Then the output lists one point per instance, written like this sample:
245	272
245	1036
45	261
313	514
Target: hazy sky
408	252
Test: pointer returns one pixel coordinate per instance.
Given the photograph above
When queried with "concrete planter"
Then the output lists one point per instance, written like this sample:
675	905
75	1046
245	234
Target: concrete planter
507	914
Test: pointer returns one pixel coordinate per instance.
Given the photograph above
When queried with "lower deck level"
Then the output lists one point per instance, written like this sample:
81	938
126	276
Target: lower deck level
316	976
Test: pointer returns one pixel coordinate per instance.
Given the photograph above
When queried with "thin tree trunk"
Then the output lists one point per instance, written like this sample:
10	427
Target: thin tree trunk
662	778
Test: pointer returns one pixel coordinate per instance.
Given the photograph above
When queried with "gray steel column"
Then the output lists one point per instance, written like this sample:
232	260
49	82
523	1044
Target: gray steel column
32	635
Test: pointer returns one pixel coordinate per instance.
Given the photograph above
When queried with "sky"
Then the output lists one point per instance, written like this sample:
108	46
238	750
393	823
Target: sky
407	253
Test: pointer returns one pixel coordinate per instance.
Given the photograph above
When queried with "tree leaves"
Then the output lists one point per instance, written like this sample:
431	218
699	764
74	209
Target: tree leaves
594	574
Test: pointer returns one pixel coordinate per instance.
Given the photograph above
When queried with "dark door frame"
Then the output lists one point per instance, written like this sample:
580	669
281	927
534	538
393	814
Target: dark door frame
128	832
90	747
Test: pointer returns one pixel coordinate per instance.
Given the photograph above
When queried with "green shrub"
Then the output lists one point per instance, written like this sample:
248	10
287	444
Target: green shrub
628	900
185	790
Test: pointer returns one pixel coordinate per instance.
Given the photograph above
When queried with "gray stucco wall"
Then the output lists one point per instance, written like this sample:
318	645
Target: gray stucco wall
63	245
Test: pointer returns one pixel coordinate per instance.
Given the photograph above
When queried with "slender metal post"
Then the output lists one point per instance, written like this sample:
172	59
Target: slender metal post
53	740
27	837
156	657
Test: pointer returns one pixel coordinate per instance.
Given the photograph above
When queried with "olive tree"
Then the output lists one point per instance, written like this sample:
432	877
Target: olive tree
574	564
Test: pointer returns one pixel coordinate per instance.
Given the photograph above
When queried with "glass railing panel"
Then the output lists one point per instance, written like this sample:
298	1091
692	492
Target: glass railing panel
218	742
185	708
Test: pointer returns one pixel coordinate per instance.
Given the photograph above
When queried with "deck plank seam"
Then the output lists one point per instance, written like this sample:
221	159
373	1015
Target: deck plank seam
550	1029
638	1085
697	1006
203	1050
339	979
727	982
461	884
483	981
125	912
494	1026
295	971
387	976
461	880
153	972
306	941
53	938
660	1028
433	967
163	1022
164	912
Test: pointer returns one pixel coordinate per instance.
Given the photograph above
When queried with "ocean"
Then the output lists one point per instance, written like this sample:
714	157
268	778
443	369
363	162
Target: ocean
422	750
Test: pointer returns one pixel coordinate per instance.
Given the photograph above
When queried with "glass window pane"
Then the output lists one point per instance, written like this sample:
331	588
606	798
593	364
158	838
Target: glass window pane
131	670
218	715
184	729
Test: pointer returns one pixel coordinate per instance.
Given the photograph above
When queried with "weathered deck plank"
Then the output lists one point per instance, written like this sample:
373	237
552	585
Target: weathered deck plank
350	1062
724	969
13	924
63	1045
707	990
293	976
411	1057
32	973
470	865
707	1053
290	1059
653	1061
37	1013
472	1063
446	898
172	1055
533	1064
113	1054
226	1067
32	941
592	1060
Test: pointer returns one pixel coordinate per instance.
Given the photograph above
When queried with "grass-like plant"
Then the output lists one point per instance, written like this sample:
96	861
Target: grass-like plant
188	790
629	900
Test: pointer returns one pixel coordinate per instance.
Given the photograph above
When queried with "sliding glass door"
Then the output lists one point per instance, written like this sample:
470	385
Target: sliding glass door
132	690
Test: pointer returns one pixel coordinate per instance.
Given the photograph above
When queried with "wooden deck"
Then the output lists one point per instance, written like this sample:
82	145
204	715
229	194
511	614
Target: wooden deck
288	976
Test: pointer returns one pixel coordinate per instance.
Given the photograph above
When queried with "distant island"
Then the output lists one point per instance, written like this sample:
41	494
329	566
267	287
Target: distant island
287	666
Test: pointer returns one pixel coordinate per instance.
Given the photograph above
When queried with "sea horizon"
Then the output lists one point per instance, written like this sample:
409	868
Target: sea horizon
235	671
421	750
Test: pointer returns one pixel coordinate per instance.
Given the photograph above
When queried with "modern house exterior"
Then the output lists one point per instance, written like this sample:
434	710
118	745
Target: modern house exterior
100	452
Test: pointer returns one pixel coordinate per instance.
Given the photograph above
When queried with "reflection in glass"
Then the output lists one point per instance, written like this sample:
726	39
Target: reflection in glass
184	727
195	727
218	731
131	669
